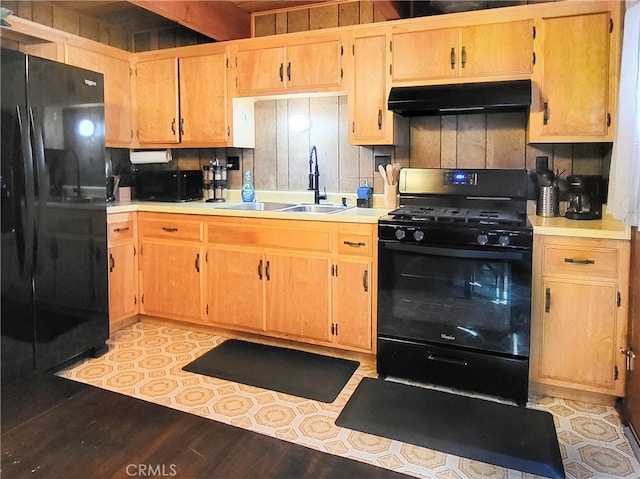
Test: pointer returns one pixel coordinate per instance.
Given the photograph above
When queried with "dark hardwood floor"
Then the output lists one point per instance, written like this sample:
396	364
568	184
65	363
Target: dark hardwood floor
56	428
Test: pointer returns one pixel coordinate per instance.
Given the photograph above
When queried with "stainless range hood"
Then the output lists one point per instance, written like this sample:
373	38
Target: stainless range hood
461	98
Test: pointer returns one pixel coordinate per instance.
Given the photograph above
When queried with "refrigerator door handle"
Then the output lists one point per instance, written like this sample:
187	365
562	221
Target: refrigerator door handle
42	177
29	189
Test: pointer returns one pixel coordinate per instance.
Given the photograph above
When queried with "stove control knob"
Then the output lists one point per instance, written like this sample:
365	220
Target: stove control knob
400	234
504	240
418	235
482	239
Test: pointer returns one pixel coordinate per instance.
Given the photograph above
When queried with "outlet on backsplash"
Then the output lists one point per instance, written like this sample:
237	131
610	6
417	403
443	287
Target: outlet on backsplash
383	160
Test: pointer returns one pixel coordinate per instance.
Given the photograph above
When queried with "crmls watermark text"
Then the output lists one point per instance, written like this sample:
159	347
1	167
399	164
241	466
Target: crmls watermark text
151	470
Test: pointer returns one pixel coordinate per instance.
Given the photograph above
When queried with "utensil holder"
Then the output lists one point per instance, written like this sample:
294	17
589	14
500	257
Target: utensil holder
390	196
548	204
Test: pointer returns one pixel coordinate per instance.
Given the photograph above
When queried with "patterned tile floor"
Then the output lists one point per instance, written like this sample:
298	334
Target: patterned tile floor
145	360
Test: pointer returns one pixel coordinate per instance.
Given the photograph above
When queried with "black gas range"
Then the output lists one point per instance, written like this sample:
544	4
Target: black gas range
455	281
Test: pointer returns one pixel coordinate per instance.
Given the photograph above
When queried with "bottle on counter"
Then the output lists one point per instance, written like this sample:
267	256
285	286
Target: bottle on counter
248	192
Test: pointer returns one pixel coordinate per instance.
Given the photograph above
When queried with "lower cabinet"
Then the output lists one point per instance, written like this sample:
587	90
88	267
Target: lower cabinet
297	291
123	266
579	322
172	273
235	289
290	279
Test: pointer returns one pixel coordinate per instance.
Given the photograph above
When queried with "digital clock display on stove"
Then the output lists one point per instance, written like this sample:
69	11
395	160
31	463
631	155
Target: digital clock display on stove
460	178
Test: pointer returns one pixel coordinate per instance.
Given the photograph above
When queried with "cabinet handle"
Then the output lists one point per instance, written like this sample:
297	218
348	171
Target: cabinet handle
266	272
198	262
182	126
282	72
547	300
173	126
169	230
289	71
545	116
121	230
365	280
533	58
453	58
464	57
112	263
359	244
260	269
379	119
579	261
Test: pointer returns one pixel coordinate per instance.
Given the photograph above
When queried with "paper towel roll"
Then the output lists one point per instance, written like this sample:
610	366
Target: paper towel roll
138	157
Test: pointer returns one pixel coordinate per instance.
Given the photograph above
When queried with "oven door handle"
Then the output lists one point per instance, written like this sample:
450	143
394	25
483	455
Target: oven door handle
454	253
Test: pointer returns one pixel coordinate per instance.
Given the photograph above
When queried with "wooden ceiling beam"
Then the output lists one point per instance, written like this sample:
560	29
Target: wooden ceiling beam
220	20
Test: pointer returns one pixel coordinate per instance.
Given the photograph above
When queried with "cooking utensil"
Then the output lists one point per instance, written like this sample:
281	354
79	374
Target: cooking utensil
396	172
545	178
382	173
390	174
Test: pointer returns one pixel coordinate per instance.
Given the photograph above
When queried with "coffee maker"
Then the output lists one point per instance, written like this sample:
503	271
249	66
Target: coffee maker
586	195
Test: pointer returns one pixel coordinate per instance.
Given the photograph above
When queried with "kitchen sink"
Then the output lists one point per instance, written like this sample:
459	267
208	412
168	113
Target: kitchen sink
326	209
284	207
257	206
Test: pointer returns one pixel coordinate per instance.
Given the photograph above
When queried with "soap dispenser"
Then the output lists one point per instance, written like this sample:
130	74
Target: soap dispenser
248	192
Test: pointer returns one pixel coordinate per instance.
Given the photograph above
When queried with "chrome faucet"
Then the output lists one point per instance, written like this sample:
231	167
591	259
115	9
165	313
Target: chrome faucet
314	176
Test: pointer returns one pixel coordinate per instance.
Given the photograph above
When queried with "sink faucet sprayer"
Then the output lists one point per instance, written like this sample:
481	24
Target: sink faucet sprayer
314	176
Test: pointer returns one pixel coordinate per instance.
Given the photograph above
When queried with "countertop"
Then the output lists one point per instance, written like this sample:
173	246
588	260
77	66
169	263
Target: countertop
606	228
352	214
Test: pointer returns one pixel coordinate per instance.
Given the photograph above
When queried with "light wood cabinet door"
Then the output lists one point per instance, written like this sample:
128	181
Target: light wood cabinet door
297	295
260	71
496	50
576	94
425	55
157	101
123	282
235	287
351	305
117	92
500	50
579	314
370	123
313	66
171	280
203	100
578	336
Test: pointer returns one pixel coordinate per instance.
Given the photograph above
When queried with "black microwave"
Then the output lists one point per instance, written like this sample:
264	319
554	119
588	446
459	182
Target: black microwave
169	185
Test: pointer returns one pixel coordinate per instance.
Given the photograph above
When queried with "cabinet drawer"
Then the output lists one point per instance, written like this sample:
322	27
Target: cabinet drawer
120	231
593	262
360	244
167	227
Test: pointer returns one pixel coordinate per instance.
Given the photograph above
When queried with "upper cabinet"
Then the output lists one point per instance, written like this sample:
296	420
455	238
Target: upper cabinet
117	91
496	50
370	123
183	99
575	77
157	101
309	64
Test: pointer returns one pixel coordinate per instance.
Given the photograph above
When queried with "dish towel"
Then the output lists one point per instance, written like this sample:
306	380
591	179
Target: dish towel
624	175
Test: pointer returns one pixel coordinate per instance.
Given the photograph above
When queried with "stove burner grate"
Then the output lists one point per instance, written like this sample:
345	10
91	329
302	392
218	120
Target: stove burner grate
457	215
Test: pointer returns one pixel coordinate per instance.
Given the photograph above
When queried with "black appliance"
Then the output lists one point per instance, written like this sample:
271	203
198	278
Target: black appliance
454	287
459	98
53	225
586	195
169	185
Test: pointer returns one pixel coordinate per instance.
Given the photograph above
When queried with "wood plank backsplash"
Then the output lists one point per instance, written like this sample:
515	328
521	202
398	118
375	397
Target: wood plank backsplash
280	160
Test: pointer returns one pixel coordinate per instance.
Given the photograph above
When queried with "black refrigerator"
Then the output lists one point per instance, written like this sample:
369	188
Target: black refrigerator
54	272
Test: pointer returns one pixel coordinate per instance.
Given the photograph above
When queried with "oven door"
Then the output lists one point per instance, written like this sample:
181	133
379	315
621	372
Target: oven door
472	298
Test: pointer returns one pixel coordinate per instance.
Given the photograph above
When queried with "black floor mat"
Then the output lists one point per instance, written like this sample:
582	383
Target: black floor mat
508	436
299	373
